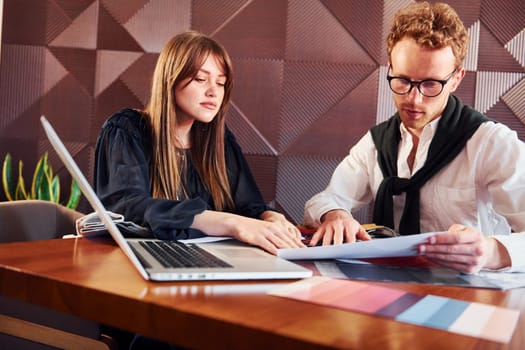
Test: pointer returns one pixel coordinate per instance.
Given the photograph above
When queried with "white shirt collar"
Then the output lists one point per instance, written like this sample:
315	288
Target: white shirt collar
429	129
406	144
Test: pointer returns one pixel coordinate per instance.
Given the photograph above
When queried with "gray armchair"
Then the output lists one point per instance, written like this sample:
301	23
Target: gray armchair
30	220
28	326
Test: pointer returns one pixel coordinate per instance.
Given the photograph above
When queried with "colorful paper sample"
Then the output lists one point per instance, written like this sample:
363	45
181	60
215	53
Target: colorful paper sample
457	316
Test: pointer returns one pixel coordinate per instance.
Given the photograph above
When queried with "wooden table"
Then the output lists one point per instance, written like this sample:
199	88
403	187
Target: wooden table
93	279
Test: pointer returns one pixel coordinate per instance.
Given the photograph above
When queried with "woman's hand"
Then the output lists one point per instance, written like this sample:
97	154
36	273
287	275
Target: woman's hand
289	235
287	227
270	233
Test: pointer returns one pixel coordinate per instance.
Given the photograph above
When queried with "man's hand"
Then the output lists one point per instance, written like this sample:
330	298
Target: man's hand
338	226
465	249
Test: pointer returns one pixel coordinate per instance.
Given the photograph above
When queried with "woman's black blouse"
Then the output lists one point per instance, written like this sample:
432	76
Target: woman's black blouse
122	180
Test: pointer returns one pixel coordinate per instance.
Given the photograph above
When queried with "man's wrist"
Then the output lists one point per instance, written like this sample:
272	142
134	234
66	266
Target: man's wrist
336	214
499	257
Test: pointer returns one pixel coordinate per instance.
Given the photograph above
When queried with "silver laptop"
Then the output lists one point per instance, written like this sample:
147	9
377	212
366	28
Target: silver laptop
231	259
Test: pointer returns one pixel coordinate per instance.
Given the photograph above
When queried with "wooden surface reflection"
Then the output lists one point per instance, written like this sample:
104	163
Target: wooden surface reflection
94	280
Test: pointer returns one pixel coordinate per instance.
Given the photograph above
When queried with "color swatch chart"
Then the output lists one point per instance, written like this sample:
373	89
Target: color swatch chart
457	316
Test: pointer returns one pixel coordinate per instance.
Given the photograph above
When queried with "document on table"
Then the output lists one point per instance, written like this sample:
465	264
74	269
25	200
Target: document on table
505	280
363	271
375	248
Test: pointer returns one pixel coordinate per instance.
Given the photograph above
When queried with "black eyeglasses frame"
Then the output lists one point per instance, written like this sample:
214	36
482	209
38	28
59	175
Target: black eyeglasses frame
418	83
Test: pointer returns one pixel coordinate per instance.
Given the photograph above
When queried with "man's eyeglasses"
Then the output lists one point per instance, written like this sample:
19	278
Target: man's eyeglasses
427	87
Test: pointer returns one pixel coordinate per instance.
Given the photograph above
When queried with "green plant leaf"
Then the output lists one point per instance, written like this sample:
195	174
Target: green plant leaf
38	176
55	189
20	191
44	184
44	191
74	195
7	179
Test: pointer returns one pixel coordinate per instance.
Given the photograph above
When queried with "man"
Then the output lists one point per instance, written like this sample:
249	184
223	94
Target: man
436	165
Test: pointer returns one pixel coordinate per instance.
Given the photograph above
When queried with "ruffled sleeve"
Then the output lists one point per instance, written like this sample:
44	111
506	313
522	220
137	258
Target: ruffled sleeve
121	179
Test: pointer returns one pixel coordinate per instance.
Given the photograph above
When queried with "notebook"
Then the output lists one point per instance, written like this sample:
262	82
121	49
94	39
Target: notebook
237	260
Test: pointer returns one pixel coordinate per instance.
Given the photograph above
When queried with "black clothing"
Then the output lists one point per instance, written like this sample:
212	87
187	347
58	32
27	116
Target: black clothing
122	180
455	127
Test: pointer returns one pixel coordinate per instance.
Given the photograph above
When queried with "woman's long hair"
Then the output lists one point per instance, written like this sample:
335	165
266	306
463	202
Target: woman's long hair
180	59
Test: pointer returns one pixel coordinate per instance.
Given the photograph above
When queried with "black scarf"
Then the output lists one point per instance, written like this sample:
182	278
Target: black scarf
455	127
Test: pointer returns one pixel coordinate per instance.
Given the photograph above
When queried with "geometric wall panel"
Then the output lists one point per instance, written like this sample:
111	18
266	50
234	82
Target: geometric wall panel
294	172
54	72
137	77
515	100
503	18
516	47
491	86
349	119
120	38
309	75
501	113
154	24
385	103
76	105
471	59
73	9
469	11
309	24
467	89
364	20
25	22
264	90
247	134
208	16
258	29
82	31
264	169
110	65
120	13
389	9
22	80
310	89
493	56
117	96
80	63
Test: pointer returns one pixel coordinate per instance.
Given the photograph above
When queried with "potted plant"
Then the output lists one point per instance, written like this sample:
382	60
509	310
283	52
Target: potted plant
44	186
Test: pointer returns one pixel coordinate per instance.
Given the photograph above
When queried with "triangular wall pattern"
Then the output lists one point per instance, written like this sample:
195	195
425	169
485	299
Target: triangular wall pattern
309	75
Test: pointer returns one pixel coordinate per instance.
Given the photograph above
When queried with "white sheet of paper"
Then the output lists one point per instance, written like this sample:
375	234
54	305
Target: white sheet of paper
375	248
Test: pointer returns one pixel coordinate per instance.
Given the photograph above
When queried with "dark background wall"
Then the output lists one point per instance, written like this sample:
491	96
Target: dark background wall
309	75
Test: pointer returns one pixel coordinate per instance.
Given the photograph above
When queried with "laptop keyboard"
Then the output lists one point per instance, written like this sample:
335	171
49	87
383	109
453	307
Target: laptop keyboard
176	254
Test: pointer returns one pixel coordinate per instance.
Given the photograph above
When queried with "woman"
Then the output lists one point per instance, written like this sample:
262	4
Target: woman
175	168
